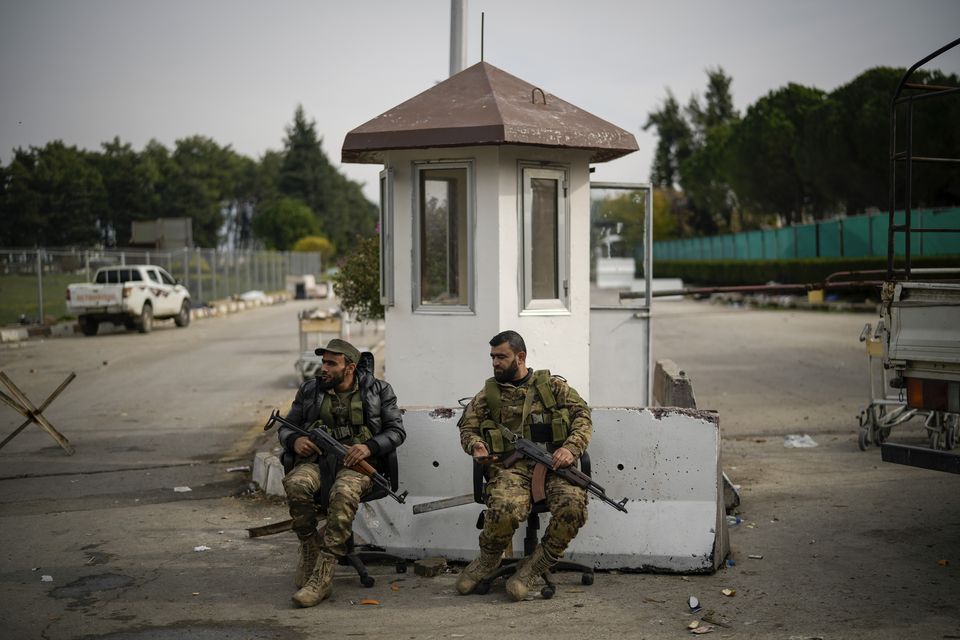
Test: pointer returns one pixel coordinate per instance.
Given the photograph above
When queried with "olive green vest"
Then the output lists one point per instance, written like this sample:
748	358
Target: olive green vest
353	430
557	419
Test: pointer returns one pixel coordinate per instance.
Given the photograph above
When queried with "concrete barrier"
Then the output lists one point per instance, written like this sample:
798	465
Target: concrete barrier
665	461
672	387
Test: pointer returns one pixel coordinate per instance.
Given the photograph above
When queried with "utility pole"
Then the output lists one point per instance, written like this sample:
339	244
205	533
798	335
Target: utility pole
458	35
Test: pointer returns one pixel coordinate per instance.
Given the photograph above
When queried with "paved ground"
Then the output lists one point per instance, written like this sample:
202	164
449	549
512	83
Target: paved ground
851	547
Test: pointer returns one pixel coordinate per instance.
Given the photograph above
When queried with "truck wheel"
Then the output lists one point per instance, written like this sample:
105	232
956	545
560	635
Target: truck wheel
145	322
182	319
87	326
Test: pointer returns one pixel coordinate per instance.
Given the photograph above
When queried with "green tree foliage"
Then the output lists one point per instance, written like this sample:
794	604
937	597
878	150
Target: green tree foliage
798	152
765	167
674	138
132	185
314	244
52	196
200	186
59	195
306	174
282	222
357	283
691	154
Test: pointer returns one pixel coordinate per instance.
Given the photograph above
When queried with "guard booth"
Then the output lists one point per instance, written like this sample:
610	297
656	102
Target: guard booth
486	225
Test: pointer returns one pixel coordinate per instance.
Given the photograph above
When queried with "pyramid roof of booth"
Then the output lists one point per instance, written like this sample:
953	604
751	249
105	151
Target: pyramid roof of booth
484	105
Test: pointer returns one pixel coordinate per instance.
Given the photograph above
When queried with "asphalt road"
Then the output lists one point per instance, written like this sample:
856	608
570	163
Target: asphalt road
852	548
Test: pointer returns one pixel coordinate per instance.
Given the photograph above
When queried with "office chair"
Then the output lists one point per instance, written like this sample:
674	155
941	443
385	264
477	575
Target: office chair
367	552
530	539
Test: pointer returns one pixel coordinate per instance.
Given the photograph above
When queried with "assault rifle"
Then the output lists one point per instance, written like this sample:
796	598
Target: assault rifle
329	444
543	462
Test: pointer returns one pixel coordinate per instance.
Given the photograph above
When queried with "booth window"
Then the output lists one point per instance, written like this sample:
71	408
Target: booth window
545	243
444	259
386	238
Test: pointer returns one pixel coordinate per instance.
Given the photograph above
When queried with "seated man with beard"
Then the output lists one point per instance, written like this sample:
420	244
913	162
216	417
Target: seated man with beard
362	413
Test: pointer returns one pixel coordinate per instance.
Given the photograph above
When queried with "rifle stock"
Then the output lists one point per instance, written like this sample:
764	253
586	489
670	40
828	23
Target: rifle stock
329	444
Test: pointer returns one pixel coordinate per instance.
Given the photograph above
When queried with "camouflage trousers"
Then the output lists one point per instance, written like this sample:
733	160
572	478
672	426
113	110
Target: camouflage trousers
349	486
509	503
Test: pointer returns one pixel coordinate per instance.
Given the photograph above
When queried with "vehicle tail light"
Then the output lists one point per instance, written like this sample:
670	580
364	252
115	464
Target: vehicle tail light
934	395
126	291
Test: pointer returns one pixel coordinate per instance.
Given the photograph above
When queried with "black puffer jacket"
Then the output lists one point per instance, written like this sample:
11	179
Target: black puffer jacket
380	411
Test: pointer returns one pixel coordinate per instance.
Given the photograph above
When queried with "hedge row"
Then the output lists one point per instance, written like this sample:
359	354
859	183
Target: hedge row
747	272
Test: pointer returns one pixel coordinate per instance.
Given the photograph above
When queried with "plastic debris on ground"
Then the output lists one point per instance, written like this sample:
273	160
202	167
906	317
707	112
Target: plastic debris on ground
703	628
693	603
244	467
943	563
729	592
202	547
795	441
733	520
368	601
182	489
731	562
755	556
46	578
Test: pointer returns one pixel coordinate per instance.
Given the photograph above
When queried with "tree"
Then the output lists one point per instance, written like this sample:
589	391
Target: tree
282	222
673	142
357	283
314	244
305	173
131	182
53	196
200	186
764	164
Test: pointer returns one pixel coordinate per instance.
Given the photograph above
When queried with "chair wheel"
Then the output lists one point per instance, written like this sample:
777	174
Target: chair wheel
586	579
482	588
367	581
547	592
401	567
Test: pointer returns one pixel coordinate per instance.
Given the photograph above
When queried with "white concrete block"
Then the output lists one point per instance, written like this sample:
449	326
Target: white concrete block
665	461
274	484
13	335
259	473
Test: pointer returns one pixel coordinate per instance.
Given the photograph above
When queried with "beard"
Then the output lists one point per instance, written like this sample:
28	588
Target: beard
329	382
509	374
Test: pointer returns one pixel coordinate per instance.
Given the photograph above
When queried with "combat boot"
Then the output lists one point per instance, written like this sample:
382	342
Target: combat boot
476	571
309	550
319	584
529	571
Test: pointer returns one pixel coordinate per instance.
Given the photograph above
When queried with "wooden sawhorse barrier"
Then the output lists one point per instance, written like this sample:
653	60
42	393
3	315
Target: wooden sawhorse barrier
22	405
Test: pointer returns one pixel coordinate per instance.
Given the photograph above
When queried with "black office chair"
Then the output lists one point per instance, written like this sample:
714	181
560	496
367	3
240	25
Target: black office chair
530	539
367	552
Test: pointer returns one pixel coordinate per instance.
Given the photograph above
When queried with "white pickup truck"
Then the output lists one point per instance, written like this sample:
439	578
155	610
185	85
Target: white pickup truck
132	295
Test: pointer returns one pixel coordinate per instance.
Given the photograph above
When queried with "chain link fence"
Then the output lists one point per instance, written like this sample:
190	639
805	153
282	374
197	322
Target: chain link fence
33	282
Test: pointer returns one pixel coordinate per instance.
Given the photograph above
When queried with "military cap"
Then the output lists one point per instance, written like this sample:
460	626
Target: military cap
342	347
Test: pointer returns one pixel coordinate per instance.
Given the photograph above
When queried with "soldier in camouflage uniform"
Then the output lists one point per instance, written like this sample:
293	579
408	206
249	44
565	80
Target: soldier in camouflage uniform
361	412
542	408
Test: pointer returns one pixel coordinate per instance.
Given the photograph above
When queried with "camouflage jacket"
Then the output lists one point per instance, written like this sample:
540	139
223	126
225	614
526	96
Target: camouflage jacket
512	397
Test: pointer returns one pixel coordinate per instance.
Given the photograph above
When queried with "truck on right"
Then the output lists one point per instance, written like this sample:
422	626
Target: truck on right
920	328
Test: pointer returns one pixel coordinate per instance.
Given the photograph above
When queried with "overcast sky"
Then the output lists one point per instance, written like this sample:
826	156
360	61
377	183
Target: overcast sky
84	71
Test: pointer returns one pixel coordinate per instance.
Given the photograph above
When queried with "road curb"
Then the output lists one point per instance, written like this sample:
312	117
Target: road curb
69	328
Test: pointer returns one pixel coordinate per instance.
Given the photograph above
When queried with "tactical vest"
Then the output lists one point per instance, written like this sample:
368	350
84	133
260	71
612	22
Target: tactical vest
552	426
354	432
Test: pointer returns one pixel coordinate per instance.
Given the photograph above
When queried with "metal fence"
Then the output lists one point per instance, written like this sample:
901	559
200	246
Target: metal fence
33	281
853	237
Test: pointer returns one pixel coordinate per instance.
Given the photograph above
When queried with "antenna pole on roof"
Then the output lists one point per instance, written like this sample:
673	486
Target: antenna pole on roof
482	14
